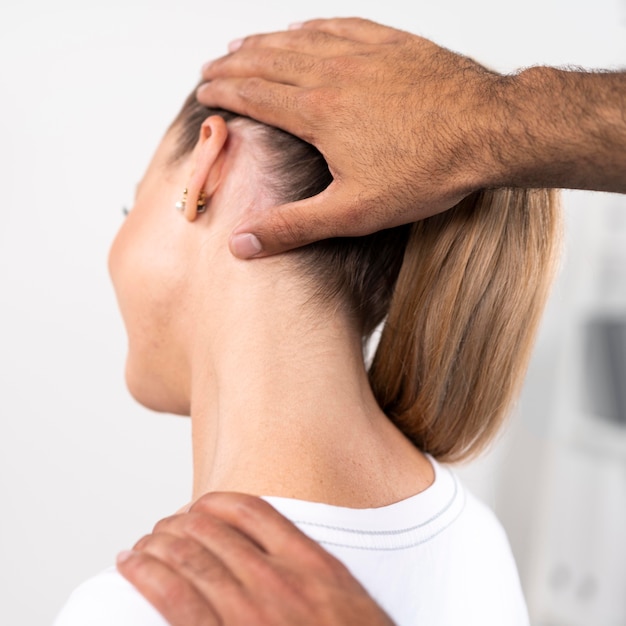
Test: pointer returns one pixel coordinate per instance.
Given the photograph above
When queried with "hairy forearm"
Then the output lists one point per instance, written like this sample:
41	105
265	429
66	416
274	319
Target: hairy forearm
561	129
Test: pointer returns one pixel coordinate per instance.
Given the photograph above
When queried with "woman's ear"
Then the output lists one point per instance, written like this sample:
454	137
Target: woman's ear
208	156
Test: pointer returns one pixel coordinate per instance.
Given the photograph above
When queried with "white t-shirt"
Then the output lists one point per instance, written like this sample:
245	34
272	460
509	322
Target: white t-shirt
440	558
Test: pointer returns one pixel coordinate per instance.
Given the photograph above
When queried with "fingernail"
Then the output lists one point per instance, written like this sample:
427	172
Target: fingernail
295	25
124	556
235	45
245	246
207	66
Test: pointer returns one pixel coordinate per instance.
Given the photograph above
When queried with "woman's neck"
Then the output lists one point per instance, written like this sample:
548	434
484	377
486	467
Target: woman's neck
281	405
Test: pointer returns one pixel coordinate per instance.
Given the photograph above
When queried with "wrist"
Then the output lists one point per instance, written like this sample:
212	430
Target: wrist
548	127
493	148
511	142
531	141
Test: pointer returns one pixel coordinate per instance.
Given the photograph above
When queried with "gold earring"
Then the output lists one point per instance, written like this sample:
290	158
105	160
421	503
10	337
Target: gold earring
182	203
201	204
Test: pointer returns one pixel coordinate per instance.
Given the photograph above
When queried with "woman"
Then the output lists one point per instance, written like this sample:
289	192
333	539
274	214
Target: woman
267	357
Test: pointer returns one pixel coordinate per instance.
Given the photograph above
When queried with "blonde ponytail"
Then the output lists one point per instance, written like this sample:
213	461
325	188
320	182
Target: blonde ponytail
463	317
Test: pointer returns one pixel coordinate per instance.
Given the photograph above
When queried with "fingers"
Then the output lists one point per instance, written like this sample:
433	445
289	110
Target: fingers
315	42
173	596
228	547
257	519
268	102
329	214
177	569
353	28
293	56
195	559
322	37
271	63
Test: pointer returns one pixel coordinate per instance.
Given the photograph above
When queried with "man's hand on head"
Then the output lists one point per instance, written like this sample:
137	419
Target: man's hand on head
408	128
382	105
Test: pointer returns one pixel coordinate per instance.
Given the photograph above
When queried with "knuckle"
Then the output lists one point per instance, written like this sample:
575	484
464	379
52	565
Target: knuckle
251	506
251	41
138	568
269	58
202	502
199	524
165	523
320	37
311	37
319	100
180	549
216	68
294	63
249	88
239	503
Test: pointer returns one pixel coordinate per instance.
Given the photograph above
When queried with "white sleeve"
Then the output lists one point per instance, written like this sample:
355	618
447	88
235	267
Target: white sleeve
108	599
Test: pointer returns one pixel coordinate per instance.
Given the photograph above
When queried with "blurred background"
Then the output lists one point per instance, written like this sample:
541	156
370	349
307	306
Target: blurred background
86	91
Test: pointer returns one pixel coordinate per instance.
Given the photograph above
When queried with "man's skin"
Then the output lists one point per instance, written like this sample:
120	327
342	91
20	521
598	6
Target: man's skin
233	559
408	129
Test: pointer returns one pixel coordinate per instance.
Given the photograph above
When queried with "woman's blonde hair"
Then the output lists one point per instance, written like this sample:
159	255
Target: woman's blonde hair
461	294
463	318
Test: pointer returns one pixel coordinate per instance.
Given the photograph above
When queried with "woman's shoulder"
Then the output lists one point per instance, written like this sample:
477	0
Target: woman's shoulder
107	599
439	557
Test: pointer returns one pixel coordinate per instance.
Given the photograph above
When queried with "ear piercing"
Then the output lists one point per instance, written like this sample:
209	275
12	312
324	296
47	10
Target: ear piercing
182	203
201	203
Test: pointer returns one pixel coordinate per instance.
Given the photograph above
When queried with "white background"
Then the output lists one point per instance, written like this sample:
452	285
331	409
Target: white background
86	90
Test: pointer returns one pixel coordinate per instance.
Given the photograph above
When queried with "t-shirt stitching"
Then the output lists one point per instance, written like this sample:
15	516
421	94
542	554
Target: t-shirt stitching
395	548
389	532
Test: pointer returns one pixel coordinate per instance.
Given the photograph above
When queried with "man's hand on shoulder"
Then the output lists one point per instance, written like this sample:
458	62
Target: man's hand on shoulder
233	560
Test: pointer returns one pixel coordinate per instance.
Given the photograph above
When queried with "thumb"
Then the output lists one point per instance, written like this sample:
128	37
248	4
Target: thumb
296	224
